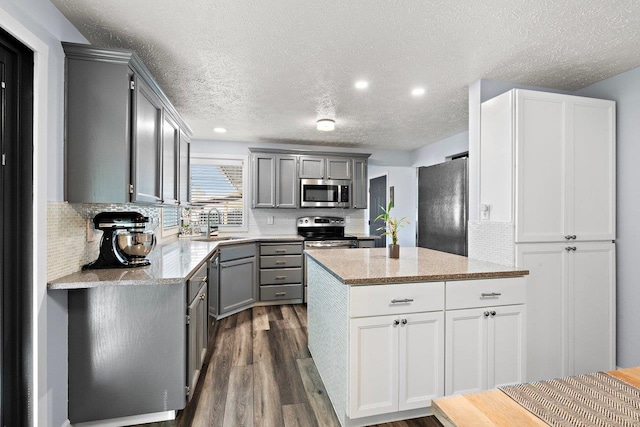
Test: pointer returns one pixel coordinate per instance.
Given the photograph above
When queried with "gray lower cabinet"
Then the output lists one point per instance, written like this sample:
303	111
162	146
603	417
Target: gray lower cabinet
237	278
127	351
281	271
197	328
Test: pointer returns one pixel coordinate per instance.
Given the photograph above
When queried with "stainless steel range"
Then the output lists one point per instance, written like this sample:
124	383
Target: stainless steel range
325	232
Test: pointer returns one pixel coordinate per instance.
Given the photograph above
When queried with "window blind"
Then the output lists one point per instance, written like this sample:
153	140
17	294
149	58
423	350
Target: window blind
170	217
217	190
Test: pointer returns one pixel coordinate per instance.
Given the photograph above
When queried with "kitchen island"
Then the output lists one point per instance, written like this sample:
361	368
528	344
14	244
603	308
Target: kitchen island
377	329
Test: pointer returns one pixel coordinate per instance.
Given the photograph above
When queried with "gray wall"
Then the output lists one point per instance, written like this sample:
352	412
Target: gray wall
625	90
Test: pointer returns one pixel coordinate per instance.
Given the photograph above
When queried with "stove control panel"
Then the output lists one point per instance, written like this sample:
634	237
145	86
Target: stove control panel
321	221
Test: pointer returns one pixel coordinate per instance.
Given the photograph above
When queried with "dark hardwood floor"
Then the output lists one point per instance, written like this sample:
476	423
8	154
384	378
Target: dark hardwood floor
259	372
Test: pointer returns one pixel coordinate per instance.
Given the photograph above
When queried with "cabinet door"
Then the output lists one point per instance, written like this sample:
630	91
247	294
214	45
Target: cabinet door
373	361
147	116
541	153
312	167
264	180
421	360
170	148
592	308
547	298
213	286
197	338
237	284
591	183
338	168
287	184
359	191
465	351
506	346
183	169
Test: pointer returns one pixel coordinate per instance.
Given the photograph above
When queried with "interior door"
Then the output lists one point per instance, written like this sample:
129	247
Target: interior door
377	200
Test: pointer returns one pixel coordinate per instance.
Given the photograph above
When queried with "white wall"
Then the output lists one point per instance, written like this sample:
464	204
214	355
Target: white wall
39	25
625	90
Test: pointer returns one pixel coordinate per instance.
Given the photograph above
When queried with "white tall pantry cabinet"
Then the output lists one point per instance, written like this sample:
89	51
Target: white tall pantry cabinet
547	166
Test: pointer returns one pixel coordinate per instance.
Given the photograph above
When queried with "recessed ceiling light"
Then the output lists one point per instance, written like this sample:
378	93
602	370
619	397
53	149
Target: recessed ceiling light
362	84
219	130
419	91
326	125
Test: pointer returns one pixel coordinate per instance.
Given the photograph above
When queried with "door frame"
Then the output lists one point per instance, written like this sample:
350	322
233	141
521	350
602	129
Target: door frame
41	140
387	195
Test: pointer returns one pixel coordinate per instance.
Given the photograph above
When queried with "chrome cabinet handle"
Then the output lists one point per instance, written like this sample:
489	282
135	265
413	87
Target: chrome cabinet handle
490	294
280	262
396	322
493	313
573	236
281	251
280	294
404	321
486	314
281	277
400	301
567	237
570	248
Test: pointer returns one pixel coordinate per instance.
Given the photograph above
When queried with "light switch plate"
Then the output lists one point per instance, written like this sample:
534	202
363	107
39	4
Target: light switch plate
485	212
270	220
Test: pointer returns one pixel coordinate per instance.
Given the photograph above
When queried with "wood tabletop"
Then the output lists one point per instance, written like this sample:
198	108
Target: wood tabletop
494	408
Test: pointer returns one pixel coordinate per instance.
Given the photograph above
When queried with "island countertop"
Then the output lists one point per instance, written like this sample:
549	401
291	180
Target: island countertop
372	266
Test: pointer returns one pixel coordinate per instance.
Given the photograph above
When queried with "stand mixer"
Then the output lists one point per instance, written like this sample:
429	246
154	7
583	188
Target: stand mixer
125	241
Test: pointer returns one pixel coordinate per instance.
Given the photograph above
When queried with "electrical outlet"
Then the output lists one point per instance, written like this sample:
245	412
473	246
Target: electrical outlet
270	220
91	235
347	219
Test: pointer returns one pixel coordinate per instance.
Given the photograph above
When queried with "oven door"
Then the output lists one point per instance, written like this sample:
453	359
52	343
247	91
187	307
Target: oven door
323	193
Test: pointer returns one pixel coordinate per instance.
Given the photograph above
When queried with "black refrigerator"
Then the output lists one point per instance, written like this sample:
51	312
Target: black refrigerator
443	200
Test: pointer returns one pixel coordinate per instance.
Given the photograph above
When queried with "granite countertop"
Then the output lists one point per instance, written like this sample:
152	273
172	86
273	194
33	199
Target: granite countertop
372	266
171	263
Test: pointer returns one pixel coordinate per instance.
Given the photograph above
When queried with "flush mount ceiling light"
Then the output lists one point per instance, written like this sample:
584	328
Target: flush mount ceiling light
326	125
219	130
362	84
419	91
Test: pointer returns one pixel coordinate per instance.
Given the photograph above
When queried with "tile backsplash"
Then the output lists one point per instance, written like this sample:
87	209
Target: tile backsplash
492	241
67	246
68	249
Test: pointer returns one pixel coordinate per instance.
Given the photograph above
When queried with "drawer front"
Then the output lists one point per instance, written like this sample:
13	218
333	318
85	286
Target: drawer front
375	300
485	292
196	281
277	276
231	252
273	293
285	261
281	249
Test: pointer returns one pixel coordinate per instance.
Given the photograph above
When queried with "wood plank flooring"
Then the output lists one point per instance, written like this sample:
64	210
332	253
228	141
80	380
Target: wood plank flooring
259	373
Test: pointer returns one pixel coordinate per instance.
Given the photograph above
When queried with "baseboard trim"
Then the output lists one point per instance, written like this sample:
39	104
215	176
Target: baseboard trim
131	420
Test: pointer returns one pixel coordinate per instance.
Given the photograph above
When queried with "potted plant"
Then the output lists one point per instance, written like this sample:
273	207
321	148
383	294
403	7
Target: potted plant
390	228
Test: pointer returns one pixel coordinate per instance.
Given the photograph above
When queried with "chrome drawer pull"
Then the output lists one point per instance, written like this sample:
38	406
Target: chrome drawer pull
281	277
280	262
400	301
280	294
490	294
281	251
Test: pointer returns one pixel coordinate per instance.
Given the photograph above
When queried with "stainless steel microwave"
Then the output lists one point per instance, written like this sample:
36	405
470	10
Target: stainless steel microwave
325	193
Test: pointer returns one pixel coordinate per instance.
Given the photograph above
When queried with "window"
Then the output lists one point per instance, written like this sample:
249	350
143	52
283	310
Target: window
218	190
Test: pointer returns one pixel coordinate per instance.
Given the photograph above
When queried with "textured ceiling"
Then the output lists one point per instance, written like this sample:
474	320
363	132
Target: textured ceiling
267	70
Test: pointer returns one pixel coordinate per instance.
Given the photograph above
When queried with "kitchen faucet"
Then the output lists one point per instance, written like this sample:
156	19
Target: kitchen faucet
209	225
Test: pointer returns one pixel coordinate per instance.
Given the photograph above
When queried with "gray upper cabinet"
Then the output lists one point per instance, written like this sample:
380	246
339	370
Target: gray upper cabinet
287	187
338	168
274	180
312	167
184	172
316	167
147	125
115	127
360	182
263	168
170	158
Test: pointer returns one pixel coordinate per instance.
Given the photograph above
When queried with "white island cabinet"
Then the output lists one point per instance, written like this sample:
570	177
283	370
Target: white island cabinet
377	329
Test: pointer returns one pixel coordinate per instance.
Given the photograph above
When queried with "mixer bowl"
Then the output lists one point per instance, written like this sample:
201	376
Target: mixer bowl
136	244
